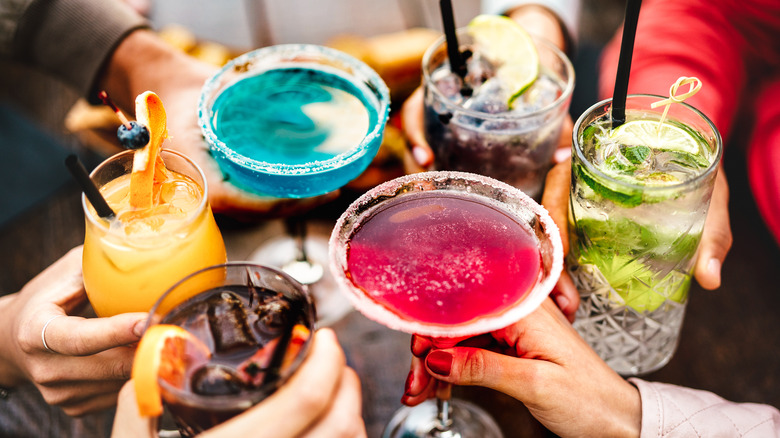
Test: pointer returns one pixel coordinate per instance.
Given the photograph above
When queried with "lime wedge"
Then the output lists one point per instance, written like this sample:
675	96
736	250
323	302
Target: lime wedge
648	133
507	45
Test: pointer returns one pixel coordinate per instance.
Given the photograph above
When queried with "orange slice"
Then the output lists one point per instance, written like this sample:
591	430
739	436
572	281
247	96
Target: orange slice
251	370
148	167
165	351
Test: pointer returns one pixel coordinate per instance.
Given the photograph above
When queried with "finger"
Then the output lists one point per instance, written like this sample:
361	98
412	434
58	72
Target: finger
476	367
566	296
301	401
343	418
93	402
128	423
421	345
556	198
422	384
564	142
56	369
60	283
716	239
417	380
77	336
413	127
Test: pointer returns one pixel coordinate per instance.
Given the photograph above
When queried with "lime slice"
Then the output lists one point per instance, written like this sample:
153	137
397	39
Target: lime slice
507	45
648	133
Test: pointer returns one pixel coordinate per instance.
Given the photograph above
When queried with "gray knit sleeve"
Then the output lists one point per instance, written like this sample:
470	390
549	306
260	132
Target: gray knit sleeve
69	39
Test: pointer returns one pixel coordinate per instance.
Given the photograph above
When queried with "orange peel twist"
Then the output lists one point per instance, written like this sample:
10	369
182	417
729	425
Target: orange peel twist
148	167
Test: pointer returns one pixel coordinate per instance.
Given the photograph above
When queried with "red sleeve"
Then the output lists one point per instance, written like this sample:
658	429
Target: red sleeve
685	38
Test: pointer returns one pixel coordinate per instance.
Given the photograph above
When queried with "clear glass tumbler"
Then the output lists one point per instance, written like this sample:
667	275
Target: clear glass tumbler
477	134
634	238
246	315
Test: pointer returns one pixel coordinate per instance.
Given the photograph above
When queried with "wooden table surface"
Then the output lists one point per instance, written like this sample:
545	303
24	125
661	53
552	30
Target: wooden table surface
728	345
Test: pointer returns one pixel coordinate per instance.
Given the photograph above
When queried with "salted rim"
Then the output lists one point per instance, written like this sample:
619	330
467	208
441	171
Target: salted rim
381	314
371	80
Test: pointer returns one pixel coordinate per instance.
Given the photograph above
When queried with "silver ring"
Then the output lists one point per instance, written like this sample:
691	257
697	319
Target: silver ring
43	332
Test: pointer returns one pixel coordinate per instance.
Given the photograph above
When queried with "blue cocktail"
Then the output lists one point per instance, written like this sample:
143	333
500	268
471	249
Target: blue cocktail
294	121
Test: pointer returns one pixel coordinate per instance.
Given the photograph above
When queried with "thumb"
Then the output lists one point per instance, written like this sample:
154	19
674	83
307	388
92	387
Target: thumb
716	238
477	367
412	124
77	336
128	422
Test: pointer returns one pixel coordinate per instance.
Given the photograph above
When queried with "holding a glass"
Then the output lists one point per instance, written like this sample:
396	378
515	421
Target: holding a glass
162	228
639	197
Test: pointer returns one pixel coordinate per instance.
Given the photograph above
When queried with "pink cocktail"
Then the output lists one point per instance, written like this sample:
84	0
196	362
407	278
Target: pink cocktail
447	255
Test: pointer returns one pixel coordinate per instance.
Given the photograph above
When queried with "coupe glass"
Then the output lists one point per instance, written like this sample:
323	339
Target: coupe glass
295	121
448	278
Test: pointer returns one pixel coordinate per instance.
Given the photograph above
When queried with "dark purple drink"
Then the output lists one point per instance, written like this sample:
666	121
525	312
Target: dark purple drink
256	325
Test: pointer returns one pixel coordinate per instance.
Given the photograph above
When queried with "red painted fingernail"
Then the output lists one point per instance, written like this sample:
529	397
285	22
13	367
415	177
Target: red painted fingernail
408	384
440	362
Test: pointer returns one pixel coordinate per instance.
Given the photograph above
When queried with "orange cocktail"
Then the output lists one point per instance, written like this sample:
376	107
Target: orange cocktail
163	228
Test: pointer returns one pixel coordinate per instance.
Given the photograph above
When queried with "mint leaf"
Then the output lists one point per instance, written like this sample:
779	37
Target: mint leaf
635	154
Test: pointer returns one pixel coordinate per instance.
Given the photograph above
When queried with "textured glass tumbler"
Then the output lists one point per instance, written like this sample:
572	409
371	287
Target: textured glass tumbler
634	246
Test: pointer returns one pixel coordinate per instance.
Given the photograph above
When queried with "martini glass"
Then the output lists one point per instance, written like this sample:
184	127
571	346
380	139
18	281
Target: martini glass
295	121
447	255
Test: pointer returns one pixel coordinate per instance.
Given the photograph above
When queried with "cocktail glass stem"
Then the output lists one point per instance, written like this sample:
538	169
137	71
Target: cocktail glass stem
301	268
443	426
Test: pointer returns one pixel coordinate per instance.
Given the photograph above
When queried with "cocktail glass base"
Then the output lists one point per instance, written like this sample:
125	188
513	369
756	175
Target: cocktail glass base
632	342
280	252
468	421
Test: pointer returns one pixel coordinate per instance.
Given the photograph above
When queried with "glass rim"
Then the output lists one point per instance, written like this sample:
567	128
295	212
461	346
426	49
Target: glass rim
197	212
593	169
377	85
566	92
387	192
247	398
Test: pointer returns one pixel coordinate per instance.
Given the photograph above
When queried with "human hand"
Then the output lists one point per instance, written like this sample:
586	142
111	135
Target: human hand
322	399
144	62
716	238
88	359
542	362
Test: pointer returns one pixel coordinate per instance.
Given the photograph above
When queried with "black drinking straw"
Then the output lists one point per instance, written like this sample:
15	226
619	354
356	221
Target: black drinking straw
624	63
457	65
90	189
273	371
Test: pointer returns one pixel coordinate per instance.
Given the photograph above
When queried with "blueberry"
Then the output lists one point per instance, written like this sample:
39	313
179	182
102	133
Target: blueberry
134	138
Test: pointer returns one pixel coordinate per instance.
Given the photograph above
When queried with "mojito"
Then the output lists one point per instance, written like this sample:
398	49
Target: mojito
639	197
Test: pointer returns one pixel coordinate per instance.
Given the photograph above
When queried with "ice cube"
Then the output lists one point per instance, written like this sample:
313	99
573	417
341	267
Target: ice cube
540	95
449	85
228	322
273	314
490	98
213	379
479	71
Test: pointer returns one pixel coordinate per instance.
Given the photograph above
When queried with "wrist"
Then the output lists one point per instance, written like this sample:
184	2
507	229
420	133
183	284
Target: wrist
10	374
627	419
143	61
